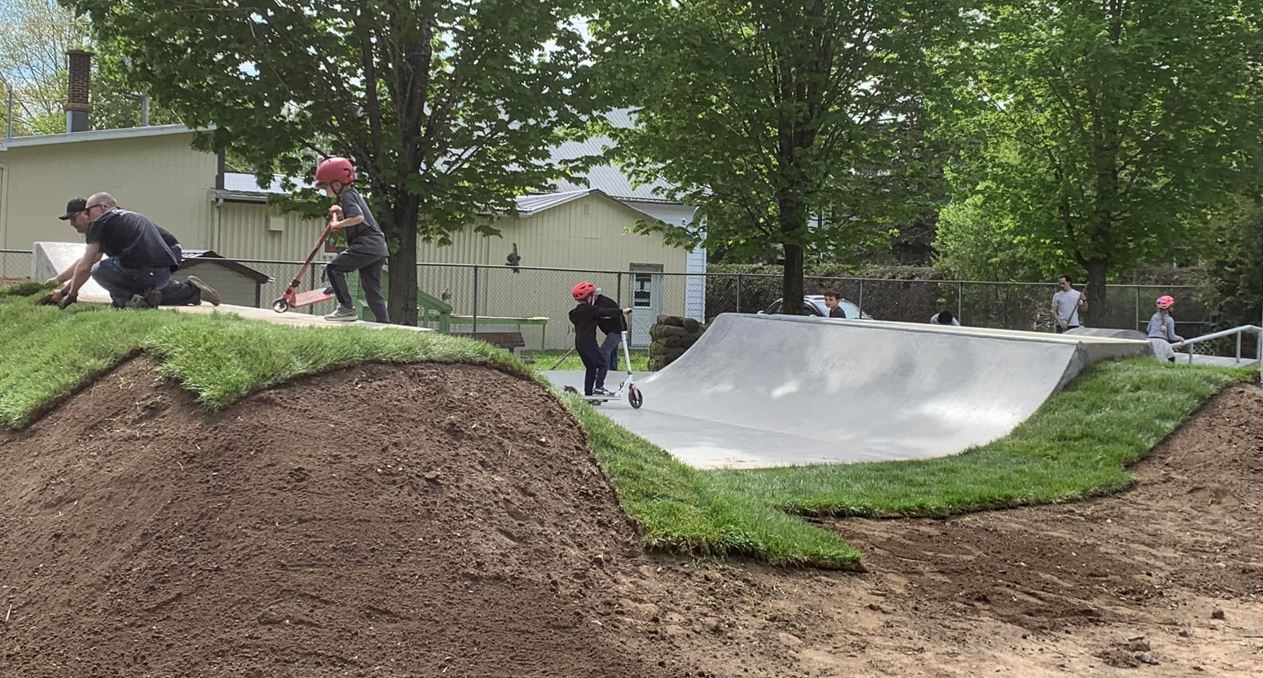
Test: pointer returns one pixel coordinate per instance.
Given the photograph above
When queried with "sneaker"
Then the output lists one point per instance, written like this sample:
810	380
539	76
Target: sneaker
208	293
343	314
601	391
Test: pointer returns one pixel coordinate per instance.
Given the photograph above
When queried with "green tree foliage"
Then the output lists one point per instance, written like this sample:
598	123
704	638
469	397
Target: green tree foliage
447	108
1105	129
1236	266
976	241
34	37
795	126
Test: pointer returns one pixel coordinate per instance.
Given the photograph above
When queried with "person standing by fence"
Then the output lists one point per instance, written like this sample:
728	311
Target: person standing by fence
613	330
1067	304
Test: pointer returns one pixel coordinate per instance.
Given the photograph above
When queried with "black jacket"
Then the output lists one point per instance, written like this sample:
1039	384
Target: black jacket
609	325
585	318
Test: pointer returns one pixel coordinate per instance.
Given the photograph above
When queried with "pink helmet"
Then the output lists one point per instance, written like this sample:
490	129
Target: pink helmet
583	290
1166	301
334	169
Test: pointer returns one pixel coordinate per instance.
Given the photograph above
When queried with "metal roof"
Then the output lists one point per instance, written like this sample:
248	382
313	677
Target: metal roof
606	178
195	257
94	135
530	205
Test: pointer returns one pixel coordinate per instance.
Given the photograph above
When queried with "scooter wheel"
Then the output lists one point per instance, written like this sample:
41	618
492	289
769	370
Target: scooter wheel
635	397
280	306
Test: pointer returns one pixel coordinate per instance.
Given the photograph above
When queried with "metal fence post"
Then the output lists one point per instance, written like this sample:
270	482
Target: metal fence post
619	286
311	310
861	299
1137	289
960	301
738	293
475	298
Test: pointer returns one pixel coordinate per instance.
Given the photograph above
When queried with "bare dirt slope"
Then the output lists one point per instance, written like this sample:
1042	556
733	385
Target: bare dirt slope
375	521
448	520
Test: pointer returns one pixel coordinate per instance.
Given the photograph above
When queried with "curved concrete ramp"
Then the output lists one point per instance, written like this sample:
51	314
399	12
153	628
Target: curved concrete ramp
777	390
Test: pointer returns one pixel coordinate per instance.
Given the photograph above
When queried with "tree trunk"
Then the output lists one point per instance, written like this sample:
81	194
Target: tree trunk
792	283
401	233
1096	288
792	215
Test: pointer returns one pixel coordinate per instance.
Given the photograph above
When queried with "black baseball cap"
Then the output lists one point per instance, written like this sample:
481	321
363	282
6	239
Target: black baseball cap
75	205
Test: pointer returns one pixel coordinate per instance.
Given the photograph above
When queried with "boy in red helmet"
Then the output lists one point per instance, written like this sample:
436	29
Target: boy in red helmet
586	316
365	242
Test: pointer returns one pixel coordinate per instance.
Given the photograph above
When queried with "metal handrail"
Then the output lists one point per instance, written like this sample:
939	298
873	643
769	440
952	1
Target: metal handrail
1235	331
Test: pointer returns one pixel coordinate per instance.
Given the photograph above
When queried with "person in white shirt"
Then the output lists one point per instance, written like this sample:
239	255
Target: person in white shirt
944	318
1067	304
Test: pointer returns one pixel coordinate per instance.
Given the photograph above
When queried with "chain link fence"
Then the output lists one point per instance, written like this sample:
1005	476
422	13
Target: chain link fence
16	263
536	301
1014	306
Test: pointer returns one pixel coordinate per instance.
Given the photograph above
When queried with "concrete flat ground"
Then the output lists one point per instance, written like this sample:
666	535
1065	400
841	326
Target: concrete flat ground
54	257
290	318
760	391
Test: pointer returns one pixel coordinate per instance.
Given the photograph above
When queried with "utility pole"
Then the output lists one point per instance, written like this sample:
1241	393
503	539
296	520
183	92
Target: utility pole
8	131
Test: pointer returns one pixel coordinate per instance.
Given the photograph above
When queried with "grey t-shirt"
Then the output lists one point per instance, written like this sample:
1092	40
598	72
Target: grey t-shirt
1067	305
368	237
1158	329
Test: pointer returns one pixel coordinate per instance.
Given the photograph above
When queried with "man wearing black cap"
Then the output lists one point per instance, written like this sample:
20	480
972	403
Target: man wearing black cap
130	275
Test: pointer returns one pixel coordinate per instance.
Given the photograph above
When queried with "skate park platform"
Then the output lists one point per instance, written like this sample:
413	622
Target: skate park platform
763	390
50	258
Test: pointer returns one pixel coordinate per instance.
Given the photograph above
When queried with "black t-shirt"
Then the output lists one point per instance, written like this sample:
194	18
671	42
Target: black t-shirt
173	245
368	236
132	239
585	318
609	325
837	313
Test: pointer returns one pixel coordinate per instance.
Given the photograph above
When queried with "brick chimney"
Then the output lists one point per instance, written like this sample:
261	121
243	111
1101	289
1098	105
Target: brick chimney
78	104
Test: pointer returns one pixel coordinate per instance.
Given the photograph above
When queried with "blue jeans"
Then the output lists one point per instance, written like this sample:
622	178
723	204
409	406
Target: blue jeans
609	351
122	282
594	366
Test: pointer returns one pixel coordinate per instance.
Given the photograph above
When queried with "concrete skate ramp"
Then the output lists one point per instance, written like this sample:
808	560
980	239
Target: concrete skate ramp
761	391
51	258
1108	332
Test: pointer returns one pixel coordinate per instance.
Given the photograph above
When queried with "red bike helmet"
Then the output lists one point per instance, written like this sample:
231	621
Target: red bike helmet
583	290
1166	301
334	169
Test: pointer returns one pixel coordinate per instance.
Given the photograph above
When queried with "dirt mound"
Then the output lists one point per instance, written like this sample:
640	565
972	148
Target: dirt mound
1101	580
382	520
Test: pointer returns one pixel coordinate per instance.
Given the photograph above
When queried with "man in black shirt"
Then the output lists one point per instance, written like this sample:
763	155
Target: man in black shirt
613	329
139	259
189	293
585	317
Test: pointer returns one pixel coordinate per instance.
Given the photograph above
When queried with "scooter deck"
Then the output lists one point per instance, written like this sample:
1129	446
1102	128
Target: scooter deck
310	297
595	398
